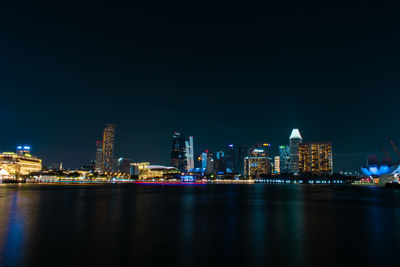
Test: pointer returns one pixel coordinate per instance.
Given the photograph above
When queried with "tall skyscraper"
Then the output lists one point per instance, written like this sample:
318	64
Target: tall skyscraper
108	147
284	156
231	159
178	152
98	167
294	141
242	152
220	162
316	158
210	164
204	161
277	164
189	154
256	163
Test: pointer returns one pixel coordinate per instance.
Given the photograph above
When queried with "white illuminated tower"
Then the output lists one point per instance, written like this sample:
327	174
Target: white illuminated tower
189	154
294	140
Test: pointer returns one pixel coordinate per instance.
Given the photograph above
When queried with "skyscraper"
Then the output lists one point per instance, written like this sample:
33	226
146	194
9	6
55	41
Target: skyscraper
242	152
284	156
294	141
316	158
108	147
256	163
178	152
231	159
220	162
98	167
189	154
277	164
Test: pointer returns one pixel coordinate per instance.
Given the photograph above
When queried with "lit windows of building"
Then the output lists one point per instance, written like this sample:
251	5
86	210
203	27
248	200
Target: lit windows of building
316	158
256	163
136	167
99	157
295	139
108	147
19	164
277	164
178	152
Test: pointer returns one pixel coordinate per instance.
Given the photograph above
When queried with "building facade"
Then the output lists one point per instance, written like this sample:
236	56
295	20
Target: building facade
178	152
98	167
189	154
284	157
294	140
108	147
256	164
277	165
316	158
20	163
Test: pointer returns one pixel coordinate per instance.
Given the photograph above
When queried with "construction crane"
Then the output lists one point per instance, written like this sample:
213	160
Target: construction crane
386	154
394	147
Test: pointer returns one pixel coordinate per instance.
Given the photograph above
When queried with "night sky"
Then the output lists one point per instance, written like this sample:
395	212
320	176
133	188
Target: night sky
225	72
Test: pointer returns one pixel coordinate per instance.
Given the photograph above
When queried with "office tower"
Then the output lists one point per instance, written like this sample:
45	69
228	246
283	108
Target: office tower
210	164
98	167
178	152
108	147
189	154
277	164
232	159
284	156
316	158
242	152
124	165
204	161
256	164
220	163
294	141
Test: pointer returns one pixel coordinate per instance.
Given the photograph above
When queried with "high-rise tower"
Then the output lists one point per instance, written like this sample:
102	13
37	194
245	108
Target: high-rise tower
108	147
189	154
99	157
178	152
294	141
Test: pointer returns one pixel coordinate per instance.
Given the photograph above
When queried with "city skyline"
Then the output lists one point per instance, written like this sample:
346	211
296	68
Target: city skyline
200	148
223	74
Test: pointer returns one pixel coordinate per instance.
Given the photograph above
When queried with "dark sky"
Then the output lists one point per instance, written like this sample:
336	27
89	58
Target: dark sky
225	72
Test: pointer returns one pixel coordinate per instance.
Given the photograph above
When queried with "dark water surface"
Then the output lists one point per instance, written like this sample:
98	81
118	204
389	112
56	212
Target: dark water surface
209	225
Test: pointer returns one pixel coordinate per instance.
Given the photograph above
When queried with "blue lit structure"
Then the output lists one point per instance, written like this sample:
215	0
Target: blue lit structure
377	170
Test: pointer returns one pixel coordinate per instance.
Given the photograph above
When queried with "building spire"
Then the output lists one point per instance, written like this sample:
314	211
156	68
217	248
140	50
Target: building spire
295	134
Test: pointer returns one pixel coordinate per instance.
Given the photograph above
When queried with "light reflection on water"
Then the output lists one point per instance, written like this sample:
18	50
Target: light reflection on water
237	225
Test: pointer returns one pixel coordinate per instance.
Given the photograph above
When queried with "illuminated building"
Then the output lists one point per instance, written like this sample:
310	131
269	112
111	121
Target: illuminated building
204	161
284	156
256	163
136	167
23	149
98	167
220	163
108	147
277	164
294	141
210	164
315	158
242	152
231	159
178	152
158	172
124	165
21	163
189	154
